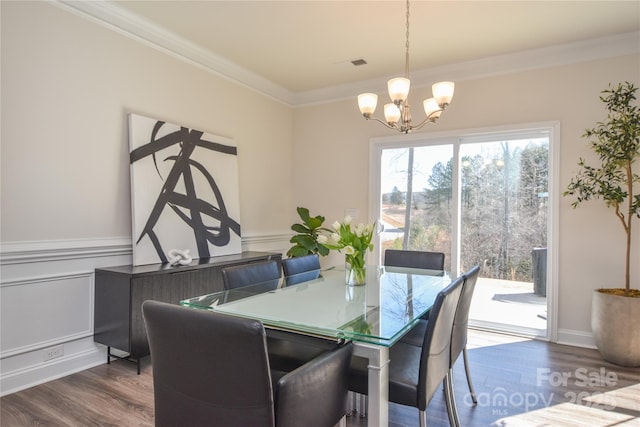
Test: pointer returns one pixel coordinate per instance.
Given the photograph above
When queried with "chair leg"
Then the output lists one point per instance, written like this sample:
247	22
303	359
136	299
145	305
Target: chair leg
468	372
364	403
351	404
423	418
450	400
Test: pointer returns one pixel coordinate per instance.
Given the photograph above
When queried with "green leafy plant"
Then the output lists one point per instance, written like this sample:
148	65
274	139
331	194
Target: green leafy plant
306	241
617	143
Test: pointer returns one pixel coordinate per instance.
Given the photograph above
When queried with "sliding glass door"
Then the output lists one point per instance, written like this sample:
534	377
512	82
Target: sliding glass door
482	200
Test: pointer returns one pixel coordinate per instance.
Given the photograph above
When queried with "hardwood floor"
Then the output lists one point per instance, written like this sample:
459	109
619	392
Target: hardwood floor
519	382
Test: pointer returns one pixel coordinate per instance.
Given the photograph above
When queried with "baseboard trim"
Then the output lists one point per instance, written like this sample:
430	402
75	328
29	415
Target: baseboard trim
576	338
35	375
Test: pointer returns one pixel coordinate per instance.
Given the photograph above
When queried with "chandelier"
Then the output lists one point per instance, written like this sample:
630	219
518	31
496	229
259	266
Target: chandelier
397	113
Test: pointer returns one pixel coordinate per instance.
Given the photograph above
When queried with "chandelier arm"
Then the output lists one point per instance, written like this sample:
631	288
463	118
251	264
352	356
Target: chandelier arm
430	119
424	122
394	126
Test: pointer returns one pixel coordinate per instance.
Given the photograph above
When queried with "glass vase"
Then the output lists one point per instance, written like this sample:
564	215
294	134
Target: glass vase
355	276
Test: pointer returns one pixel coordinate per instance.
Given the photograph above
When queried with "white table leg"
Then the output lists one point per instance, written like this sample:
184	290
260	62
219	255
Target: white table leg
378	356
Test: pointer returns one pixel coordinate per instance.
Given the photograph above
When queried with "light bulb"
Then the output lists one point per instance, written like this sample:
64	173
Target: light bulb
398	89
443	92
391	113
367	103
431	108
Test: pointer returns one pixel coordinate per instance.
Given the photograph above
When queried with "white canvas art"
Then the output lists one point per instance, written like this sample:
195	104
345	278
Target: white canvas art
184	190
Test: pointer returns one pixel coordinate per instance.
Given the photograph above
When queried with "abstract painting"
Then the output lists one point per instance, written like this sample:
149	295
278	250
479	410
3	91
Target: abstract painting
184	190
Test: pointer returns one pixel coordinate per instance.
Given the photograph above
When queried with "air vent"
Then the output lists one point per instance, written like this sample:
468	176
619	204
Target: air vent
359	62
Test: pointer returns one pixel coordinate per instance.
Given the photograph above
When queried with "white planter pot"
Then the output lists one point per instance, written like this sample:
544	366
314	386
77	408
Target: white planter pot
615	323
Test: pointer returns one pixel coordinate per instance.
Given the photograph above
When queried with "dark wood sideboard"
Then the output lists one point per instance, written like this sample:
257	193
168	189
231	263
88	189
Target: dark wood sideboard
120	291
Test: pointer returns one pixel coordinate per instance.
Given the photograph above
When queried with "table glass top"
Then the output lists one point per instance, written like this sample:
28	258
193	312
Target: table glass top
379	312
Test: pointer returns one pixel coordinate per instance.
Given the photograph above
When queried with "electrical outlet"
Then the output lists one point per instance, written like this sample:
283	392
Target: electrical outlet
53	352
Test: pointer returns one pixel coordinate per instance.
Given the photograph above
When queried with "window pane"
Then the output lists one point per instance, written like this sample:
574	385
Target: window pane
503	206
416	195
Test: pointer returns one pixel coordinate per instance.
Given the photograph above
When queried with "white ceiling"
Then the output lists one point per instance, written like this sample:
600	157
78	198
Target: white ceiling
303	46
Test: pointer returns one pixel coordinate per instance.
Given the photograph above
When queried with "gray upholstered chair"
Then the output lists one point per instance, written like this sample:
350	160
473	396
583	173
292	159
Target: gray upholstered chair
265	273
414	259
415	373
460	327
211	369
301	269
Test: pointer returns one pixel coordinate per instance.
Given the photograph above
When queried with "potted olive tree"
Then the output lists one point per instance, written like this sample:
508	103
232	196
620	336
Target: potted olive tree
615	312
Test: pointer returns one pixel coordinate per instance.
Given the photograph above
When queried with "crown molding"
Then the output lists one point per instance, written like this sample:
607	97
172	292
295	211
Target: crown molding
552	56
112	16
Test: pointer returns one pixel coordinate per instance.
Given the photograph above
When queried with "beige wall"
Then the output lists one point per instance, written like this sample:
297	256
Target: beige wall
67	86
333	139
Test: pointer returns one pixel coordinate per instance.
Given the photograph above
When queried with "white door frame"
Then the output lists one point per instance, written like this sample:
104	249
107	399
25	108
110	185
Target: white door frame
552	128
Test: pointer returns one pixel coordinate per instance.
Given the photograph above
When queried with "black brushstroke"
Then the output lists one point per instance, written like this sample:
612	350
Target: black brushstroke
197	208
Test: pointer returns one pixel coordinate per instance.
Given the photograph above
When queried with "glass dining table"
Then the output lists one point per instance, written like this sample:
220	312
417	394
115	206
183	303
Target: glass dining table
373	316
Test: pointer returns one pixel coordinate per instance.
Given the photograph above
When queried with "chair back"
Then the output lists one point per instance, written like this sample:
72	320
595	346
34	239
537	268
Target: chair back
436	347
301	269
461	320
264	272
208	368
414	259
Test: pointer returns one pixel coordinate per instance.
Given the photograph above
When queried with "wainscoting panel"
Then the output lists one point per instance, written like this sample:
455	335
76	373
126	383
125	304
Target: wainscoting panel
45	311
46	308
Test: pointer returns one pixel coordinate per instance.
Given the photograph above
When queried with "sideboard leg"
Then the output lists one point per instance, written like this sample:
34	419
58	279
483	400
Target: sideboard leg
125	358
